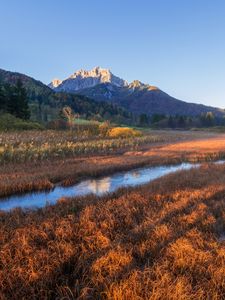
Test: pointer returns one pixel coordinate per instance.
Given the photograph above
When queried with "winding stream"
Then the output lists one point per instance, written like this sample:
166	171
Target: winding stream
98	186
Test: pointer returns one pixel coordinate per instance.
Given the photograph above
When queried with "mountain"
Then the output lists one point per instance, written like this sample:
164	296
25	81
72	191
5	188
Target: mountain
85	79
32	85
139	98
45	103
136	97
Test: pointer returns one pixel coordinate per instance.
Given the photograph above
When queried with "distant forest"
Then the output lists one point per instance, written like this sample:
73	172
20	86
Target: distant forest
15	100
186	122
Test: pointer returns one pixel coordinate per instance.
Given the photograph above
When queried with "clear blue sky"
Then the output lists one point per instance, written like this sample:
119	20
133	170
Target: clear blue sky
177	45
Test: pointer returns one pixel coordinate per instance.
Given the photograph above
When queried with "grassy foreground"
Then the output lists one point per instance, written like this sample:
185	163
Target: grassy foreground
164	240
28	161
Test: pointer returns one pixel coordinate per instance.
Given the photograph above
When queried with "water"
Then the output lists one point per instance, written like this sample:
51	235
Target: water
98	187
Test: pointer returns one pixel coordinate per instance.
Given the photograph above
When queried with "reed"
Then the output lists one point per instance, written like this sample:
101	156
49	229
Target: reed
158	241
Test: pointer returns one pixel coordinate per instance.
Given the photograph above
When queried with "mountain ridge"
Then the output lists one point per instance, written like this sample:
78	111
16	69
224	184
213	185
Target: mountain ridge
45	104
83	79
148	100
136	97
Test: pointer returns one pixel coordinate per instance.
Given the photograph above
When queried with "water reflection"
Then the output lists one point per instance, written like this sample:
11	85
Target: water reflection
98	187
95	186
136	174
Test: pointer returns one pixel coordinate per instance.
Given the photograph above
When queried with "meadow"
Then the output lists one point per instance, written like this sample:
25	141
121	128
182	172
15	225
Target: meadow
37	160
163	240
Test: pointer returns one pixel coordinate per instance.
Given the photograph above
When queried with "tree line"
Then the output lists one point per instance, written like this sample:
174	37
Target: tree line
207	119
14	100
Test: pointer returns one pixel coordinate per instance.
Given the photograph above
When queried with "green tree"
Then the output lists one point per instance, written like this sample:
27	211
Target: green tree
157	118
143	120
11	100
181	122
171	123
2	99
22	106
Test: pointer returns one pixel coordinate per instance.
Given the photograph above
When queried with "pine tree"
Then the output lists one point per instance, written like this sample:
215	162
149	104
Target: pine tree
143	120
2	99
11	100
22	108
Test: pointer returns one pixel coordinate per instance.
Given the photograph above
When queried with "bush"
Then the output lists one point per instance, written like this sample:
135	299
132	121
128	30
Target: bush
9	122
123	132
104	128
58	125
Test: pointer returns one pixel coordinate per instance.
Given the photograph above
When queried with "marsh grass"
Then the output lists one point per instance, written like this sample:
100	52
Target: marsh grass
19	148
158	241
18	177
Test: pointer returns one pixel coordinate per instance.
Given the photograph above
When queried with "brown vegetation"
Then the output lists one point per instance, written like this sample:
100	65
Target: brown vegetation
43	174
123	132
159	241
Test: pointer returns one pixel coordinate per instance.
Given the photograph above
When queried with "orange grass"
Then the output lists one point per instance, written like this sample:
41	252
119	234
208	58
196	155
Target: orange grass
40	175
158	241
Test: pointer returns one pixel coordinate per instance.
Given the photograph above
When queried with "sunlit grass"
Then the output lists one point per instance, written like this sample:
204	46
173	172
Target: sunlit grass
159	241
47	145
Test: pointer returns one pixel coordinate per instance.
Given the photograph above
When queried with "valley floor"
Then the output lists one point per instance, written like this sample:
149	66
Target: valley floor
163	240
169	147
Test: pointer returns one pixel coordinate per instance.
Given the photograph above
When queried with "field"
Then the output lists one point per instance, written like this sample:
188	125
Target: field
39	160
163	240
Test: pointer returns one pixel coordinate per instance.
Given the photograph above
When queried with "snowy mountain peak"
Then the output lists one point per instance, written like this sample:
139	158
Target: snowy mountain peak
83	79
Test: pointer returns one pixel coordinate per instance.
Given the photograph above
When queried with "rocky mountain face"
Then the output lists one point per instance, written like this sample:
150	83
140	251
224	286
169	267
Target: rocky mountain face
55	83
136	97
85	79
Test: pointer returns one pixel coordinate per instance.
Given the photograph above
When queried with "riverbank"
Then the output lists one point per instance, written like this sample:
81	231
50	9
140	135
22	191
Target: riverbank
44	175
159	239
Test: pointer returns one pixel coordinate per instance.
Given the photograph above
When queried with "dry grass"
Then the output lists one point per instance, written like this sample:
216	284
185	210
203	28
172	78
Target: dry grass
124	132
159	241
50	145
164	240
213	147
40	175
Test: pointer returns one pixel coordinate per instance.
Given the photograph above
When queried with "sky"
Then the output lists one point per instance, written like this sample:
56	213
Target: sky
177	45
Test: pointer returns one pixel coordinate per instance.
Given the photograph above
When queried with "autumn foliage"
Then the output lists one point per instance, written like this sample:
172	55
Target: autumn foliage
123	132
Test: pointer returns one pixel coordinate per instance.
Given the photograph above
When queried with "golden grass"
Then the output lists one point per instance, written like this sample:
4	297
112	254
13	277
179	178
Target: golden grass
158	241
213	147
41	175
46	145
123	132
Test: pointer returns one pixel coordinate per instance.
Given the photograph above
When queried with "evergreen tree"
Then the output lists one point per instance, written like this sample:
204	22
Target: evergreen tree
22	108
171	122
143	120
181	122
11	100
157	118
2	99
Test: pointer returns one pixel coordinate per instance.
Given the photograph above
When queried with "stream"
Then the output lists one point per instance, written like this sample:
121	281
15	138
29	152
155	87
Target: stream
99	186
